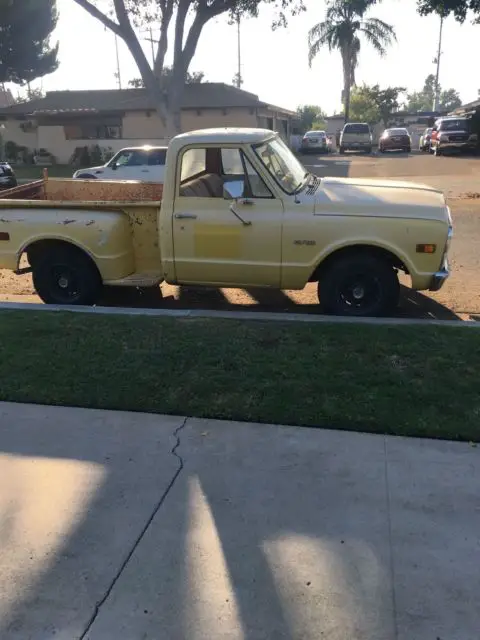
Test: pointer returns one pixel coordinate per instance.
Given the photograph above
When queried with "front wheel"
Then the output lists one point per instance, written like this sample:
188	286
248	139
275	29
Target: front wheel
66	275
359	285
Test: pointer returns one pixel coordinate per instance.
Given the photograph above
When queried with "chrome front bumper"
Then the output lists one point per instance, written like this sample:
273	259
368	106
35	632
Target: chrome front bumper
439	278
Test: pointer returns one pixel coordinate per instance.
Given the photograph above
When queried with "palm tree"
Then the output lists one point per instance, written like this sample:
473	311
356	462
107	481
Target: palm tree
342	29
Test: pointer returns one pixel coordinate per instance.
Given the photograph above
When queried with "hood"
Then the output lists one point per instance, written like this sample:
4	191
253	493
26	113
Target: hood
358	196
90	170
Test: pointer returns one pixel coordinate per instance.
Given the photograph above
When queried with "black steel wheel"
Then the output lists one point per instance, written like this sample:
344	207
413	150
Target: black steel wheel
359	285
66	275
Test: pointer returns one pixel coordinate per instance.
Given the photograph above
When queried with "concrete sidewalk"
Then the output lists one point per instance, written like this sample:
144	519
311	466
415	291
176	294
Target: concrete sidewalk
140	527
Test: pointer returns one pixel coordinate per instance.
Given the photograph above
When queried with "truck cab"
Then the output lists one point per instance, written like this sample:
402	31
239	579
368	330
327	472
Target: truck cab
237	209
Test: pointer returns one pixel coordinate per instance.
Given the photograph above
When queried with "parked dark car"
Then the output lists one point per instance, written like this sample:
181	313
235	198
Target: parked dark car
7	176
395	140
453	134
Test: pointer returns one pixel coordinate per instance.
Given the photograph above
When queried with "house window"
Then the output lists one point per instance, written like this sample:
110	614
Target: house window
94	130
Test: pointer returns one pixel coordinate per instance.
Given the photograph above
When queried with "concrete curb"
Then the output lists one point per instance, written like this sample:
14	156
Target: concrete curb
236	315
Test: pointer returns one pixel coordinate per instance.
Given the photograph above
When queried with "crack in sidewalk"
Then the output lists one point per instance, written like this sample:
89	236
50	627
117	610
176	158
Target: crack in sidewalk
156	509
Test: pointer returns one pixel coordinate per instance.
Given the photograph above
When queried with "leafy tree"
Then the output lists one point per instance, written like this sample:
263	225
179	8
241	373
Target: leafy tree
363	107
311	117
344	27
191	78
187	19
459	8
423	100
386	101
237	80
32	94
25	50
450	100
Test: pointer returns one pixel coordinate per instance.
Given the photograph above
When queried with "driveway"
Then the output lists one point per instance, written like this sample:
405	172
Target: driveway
458	177
144	527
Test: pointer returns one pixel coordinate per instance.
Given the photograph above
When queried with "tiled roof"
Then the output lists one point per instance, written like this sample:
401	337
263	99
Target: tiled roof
196	96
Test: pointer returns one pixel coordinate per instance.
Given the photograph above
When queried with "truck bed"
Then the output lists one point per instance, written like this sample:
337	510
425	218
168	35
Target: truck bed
138	201
66	190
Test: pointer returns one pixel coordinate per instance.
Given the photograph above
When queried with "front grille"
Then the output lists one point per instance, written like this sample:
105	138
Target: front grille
313	186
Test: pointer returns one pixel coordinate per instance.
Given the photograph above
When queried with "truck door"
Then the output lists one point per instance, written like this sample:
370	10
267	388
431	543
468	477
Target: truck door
220	240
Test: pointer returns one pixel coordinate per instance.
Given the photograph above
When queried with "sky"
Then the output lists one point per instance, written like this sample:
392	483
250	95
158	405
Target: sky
274	63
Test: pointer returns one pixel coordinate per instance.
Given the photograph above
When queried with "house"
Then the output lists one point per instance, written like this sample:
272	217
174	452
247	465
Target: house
6	97
114	118
467	109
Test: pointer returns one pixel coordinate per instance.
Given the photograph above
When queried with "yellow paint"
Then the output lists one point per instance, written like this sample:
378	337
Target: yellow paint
218	241
286	239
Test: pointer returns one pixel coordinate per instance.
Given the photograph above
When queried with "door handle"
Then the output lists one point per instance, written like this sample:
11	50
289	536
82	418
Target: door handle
184	216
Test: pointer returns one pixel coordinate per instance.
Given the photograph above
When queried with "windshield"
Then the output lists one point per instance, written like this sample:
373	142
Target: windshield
356	128
282	165
454	125
397	132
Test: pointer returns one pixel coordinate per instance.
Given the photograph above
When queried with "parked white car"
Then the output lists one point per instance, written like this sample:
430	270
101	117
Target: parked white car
134	163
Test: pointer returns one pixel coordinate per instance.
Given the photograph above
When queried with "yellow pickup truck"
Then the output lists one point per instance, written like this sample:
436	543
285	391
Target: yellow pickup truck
237	209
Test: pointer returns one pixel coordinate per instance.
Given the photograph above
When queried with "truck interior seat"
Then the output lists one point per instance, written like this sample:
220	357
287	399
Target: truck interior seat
209	185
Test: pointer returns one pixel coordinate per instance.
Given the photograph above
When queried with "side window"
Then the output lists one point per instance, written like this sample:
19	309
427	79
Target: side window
157	157
130	158
236	166
193	163
121	159
232	162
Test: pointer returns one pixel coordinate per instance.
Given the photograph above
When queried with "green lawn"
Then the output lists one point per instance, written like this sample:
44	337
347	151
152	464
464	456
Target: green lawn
411	380
34	172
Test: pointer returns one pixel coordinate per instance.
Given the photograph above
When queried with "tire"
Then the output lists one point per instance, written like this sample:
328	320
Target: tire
359	284
369	150
408	150
66	275
342	151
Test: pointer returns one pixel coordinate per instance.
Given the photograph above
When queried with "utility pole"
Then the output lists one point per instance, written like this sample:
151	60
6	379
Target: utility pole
436	99
153	42
118	74
239	58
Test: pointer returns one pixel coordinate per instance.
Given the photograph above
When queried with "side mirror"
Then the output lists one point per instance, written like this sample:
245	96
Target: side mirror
114	166
233	190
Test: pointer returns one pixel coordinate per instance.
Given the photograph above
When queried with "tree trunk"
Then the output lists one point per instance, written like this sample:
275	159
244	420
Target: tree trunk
347	80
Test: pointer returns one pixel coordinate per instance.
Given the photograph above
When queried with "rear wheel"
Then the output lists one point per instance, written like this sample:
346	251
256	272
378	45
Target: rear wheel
66	275
359	285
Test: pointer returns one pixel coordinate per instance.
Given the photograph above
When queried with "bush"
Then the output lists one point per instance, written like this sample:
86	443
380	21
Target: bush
88	156
17	153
